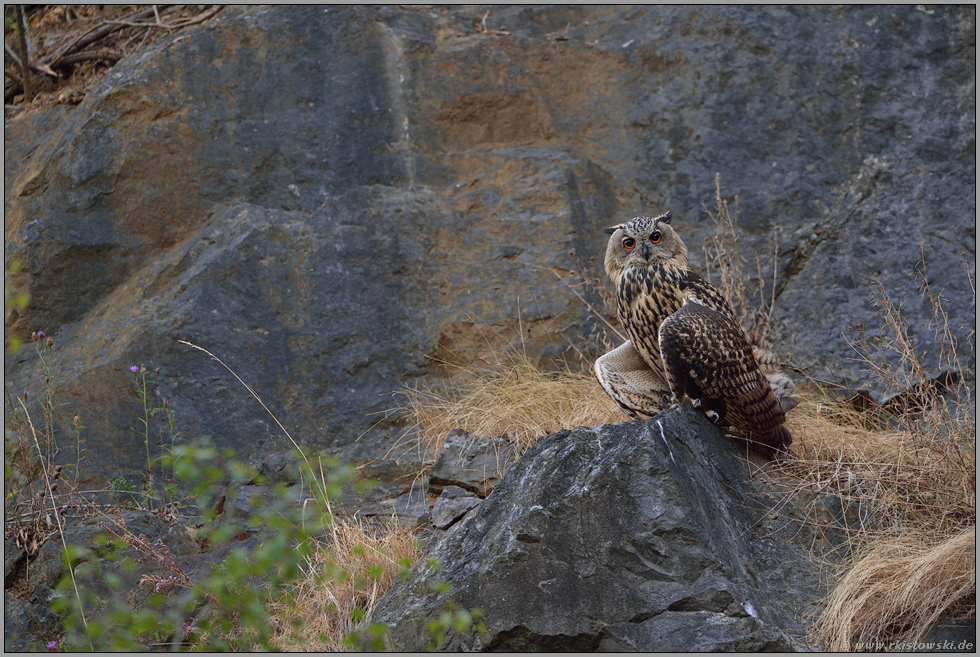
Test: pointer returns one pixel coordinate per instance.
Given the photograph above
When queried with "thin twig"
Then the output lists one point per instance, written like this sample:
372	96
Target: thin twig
259	399
57	517
10	53
25	55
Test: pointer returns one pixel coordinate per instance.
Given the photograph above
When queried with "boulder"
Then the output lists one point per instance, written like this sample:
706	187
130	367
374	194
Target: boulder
453	503
28	627
650	536
475	463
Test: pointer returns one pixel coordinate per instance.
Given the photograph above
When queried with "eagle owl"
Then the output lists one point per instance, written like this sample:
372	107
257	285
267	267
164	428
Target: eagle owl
685	342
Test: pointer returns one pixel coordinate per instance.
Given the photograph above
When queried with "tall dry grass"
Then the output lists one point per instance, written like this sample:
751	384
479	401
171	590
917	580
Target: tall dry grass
909	464
900	586
353	566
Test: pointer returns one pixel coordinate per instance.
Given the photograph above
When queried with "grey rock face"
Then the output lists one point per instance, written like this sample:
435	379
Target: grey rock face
338	200
643	536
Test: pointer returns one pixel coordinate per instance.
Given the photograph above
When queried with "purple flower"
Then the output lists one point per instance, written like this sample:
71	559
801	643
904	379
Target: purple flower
40	334
52	645
134	369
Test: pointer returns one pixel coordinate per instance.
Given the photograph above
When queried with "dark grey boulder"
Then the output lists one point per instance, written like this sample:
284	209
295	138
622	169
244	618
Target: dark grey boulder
28	627
475	463
453	503
648	536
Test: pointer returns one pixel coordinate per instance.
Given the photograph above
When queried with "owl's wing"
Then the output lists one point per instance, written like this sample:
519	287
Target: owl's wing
631	383
707	357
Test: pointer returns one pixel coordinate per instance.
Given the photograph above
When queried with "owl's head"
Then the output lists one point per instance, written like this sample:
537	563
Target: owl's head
641	242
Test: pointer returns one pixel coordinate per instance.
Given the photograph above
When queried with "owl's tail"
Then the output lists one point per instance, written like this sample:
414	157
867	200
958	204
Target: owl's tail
781	437
768	444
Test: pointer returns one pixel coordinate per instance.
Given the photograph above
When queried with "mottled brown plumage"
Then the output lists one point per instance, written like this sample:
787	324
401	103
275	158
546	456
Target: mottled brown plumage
684	341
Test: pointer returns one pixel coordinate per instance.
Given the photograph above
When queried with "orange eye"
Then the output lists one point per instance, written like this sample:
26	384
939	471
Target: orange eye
629	242
655	237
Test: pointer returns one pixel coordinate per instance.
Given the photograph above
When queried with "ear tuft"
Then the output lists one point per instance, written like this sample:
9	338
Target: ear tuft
612	229
666	218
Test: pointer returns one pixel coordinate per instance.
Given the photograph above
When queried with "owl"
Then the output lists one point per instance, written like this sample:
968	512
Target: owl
685	342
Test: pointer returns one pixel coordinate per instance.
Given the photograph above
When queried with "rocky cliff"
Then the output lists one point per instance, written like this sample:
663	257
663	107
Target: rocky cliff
336	200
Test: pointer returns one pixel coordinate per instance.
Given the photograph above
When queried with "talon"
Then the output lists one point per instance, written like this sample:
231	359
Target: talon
713	416
667	401
696	403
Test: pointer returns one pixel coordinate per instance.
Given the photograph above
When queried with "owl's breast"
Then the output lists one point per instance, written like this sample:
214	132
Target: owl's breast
645	298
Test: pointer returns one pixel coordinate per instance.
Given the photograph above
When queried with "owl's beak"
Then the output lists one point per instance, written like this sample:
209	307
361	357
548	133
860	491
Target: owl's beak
646	251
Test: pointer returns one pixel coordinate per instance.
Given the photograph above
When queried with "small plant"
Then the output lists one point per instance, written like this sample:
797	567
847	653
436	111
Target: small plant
14	299
229	608
452	618
123	490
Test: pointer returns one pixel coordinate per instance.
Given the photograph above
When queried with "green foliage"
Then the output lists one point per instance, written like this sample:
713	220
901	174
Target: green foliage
122	490
228	608
451	619
13	300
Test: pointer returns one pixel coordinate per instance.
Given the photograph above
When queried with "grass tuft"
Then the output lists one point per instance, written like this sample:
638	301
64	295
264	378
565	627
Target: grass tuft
353	566
898	589
514	399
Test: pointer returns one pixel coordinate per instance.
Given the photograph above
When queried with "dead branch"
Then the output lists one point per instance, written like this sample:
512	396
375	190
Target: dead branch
25	57
10	53
97	33
111	56
13	75
80	49
200	18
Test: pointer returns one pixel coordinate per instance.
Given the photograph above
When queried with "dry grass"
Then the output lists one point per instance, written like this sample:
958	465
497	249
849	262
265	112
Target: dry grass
909	466
898	589
514	399
353	567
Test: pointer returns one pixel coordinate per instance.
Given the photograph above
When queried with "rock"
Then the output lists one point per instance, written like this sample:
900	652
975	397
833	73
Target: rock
12	556
645	536
338	201
947	636
453	503
45	568
394	487
473	463
28	627
859	245
280	467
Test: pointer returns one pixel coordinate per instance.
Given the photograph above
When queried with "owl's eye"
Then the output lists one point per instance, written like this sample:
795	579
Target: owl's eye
655	237
629	242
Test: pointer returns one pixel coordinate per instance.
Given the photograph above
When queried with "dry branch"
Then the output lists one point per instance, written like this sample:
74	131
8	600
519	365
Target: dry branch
86	46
